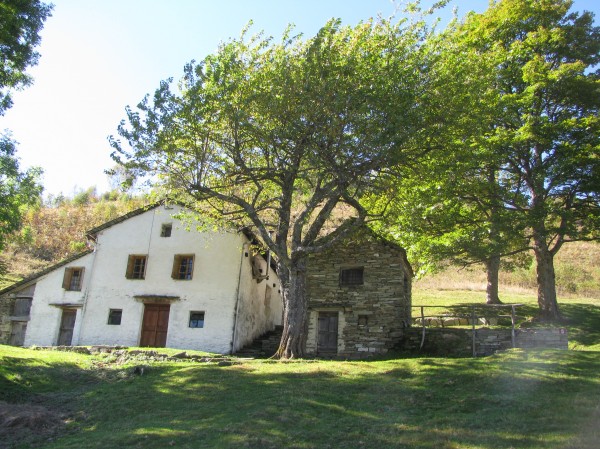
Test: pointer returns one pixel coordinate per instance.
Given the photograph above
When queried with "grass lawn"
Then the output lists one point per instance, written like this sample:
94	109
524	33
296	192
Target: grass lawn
517	399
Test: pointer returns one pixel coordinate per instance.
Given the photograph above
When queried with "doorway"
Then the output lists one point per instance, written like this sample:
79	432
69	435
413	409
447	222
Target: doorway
155	325
328	333
67	324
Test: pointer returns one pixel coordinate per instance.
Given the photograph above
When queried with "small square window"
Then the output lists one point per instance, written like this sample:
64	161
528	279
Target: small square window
196	319
114	316
73	279
363	320
183	267
351	276
165	230
136	267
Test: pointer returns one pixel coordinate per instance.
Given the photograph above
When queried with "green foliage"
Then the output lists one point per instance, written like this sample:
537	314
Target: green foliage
519	166
17	189
20	24
281	134
546	128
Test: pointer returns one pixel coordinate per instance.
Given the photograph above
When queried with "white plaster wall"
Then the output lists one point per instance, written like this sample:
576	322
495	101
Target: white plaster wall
212	289
44	323
255	314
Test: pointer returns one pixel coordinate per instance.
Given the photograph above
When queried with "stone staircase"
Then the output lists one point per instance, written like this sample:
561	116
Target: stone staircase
263	346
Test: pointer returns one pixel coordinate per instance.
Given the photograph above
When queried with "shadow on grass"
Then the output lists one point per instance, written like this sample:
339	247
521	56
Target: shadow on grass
21	379
519	399
583	321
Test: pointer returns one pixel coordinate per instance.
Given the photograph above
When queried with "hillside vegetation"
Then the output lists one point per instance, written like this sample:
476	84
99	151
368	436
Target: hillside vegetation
56	230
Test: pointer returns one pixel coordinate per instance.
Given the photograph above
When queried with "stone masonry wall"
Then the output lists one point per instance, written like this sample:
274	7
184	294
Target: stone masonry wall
6	306
459	342
372	316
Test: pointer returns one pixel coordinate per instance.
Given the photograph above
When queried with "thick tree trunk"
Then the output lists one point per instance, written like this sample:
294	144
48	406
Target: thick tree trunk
546	280
492	268
295	313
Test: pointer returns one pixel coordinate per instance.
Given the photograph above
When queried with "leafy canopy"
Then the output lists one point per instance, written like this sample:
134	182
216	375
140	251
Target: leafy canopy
20	24
286	136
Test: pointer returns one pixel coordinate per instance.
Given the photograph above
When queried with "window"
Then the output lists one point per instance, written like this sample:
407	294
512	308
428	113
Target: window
114	316
351	276
136	267
22	307
183	267
363	320
73	278
165	230
196	319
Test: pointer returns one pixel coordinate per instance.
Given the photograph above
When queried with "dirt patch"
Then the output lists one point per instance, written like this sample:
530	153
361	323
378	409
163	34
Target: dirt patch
22	422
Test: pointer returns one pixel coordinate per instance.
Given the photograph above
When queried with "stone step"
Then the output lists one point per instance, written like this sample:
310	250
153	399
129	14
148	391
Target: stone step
263	346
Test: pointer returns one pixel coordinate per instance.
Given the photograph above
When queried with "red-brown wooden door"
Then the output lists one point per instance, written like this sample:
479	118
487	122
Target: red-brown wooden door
155	325
328	333
67	324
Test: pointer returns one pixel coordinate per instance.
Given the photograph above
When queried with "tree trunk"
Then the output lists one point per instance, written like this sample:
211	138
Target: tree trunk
492	268
295	311
546	281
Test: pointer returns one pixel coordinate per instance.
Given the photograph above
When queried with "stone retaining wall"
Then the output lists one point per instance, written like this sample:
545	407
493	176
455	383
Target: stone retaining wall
459	342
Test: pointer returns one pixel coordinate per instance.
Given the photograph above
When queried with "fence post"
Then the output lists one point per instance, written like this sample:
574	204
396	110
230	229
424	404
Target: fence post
512	332
423	324
473	318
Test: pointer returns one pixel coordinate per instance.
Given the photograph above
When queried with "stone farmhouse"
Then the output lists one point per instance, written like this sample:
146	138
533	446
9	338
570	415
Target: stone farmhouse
147	281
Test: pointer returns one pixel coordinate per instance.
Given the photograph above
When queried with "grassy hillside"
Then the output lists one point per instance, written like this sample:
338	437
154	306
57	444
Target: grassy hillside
577	274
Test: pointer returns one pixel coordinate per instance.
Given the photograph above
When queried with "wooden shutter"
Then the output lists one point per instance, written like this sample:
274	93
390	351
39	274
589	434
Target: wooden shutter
130	263
67	278
176	265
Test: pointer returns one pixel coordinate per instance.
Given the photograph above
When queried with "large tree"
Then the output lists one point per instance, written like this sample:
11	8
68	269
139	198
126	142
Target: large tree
287	138
20	24
545	130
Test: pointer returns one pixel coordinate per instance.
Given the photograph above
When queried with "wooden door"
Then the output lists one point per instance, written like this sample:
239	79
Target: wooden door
328	333
155	325
17	333
67	324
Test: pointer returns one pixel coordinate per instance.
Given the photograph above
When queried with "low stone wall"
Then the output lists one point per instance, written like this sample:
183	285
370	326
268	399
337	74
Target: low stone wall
459	342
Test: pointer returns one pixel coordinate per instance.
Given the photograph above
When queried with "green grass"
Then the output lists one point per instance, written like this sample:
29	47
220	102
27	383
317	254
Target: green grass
540	399
516	399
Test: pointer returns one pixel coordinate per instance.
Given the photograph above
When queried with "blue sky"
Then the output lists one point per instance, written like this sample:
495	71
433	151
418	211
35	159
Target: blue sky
97	56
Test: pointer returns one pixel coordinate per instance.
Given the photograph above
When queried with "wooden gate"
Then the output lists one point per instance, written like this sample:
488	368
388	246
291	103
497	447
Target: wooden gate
155	325
67	324
328	333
